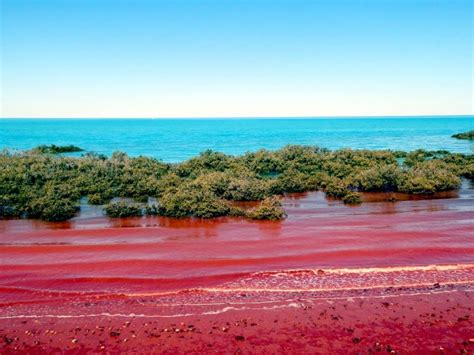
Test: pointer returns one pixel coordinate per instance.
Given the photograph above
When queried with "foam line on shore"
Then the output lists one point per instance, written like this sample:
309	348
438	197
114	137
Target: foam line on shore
388	269
283	290
292	304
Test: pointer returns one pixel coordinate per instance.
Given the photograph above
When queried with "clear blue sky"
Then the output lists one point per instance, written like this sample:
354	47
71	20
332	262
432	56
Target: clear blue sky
195	58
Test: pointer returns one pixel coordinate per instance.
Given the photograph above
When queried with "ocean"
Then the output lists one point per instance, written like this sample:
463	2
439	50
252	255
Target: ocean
174	140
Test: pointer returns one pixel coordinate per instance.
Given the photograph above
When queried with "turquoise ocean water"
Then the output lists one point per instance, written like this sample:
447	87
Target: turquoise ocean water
177	139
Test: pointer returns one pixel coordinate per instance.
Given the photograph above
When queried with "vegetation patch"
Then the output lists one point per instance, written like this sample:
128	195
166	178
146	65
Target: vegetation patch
469	135
190	201
352	198
36	184
57	149
123	209
270	209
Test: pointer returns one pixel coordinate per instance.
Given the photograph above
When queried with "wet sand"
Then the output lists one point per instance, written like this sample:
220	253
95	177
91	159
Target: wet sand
406	320
383	276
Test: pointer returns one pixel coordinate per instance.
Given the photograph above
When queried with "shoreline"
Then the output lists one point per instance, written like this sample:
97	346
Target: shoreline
432	318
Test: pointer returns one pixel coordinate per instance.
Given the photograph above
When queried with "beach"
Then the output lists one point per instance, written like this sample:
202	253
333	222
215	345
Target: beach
381	276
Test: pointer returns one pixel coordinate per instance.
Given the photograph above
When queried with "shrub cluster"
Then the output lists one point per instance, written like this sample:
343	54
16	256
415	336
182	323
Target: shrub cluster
38	185
123	209
270	208
469	135
190	201
352	198
57	149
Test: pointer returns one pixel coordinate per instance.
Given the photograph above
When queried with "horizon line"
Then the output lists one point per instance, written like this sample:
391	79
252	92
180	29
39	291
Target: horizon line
239	117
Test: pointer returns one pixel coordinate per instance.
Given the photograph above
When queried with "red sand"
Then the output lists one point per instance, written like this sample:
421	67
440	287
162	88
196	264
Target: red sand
381	276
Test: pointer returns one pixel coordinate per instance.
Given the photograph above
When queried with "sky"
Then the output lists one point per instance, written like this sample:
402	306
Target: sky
235	58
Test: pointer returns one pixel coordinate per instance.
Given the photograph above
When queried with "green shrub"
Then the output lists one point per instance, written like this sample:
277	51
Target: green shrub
207	161
263	162
57	149
9	212
421	155
123	209
225	185
237	212
215	182
379	178
170	180
469	135
269	209
352	198
58	210
251	189
141	198
417	184
51	208
429	177
98	199
336	188
152	210
188	202
293	180
467	170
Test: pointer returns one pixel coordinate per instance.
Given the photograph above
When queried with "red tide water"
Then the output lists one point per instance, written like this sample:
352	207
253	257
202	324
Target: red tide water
396	276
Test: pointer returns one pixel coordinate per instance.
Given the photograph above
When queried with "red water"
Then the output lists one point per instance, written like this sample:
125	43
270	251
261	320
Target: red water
93	269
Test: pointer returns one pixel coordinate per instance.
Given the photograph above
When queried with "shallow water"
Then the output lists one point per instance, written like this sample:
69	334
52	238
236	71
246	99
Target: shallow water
176	140
150	254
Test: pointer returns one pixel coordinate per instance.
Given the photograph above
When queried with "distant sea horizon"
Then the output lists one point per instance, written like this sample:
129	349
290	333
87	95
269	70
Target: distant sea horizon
240	117
177	139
